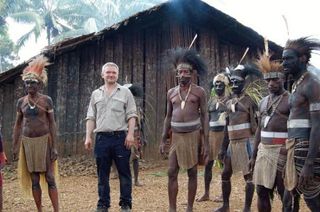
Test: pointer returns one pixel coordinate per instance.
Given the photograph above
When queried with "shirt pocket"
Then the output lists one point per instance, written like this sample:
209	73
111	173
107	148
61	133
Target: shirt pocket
118	105
100	103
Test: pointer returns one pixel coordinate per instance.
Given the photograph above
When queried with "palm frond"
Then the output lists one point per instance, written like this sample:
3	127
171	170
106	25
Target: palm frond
61	23
256	90
26	17
24	38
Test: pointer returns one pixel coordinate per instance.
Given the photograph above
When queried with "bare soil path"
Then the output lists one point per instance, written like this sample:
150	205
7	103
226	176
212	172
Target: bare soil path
78	189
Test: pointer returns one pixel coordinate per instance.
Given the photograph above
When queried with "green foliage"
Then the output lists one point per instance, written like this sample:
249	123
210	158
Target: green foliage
8	51
256	90
55	17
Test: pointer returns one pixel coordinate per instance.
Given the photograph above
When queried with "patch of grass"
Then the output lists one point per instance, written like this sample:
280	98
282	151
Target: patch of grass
159	174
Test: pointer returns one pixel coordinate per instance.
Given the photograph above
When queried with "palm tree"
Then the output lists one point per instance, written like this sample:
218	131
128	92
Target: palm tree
54	16
114	11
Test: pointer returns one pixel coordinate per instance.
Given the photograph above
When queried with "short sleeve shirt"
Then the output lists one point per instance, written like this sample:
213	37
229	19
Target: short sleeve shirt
111	113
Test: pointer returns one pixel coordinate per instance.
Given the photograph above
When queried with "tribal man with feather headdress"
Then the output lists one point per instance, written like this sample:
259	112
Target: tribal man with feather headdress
35	129
269	153
303	159
187	118
240	125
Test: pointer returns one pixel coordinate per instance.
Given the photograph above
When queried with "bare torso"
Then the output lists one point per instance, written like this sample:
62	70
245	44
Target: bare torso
191	110
35	122
278	119
241	114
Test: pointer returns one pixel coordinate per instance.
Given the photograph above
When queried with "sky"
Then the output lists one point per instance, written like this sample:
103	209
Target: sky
266	18
263	16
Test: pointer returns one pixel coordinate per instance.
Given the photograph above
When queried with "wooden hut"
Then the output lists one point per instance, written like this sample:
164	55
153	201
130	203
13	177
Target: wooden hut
136	45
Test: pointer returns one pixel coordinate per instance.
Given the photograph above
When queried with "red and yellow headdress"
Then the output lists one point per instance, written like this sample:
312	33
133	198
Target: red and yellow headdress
36	70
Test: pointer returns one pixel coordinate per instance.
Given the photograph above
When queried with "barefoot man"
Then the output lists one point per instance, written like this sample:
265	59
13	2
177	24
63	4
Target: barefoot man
35	129
303	159
187	117
269	153
217	113
241	125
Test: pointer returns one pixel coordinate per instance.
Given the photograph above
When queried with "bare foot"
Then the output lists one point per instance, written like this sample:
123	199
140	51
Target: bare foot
138	184
205	197
223	208
218	199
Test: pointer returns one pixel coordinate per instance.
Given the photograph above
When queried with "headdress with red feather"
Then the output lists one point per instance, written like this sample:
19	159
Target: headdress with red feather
36	70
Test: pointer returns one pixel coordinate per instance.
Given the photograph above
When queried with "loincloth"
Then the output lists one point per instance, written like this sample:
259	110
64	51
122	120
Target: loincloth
135	148
267	163
135	153
185	146
215	142
311	190
240	151
33	157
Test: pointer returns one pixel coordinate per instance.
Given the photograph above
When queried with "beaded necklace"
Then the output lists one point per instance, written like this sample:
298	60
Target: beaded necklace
298	82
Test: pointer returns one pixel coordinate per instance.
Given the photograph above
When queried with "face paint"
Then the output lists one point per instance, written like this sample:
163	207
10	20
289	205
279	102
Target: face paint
219	88
31	82
184	76
237	85
290	61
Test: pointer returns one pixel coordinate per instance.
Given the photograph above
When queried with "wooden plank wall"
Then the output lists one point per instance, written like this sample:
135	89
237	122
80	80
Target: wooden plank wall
75	74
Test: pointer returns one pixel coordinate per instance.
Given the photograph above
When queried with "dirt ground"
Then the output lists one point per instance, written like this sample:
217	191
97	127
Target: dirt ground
78	189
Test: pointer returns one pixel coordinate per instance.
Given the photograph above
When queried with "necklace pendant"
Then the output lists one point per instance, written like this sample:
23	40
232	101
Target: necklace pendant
183	103
233	108
266	121
217	105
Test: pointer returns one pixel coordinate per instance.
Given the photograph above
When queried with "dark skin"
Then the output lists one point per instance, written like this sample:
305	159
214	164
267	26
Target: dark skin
306	93
239	116
278	123
196	102
35	123
219	88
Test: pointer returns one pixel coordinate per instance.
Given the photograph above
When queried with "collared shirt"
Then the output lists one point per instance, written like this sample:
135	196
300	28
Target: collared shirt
111	113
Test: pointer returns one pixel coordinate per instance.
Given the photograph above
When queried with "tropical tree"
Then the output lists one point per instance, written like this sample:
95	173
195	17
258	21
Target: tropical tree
8	52
114	11
54	16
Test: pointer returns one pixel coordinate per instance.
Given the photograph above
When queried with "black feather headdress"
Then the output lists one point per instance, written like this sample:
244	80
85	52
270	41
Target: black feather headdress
242	71
136	90
303	46
173	57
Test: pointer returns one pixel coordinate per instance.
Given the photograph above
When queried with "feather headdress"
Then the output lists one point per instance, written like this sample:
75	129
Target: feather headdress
136	90
36	70
184	58
242	71
221	77
303	46
270	69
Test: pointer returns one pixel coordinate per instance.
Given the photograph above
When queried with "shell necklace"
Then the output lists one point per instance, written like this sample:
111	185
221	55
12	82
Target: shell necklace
183	101
296	83
32	107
